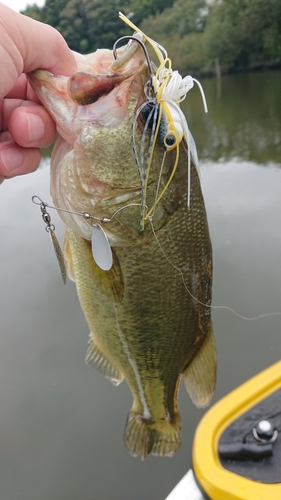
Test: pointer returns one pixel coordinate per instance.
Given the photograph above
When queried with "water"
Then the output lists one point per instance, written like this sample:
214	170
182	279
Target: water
61	422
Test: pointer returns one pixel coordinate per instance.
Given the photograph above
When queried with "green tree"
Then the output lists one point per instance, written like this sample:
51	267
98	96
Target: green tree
186	16
105	27
240	33
138	10
73	24
51	11
243	32
33	11
180	30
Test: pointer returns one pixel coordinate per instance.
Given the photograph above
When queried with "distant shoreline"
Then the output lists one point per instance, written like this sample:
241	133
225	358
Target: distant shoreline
258	66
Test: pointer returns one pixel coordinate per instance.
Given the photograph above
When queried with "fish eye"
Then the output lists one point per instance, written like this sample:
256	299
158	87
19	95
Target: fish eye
170	140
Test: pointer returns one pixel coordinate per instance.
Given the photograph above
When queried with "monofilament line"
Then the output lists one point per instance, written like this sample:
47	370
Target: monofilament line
245	318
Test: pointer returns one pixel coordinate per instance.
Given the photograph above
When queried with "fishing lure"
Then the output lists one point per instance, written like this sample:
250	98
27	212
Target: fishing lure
50	228
101	250
164	93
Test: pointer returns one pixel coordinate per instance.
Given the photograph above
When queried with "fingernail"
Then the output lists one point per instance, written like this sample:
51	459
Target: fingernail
36	127
12	158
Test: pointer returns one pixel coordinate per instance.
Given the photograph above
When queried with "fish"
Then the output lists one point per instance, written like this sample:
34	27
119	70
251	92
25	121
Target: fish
145	288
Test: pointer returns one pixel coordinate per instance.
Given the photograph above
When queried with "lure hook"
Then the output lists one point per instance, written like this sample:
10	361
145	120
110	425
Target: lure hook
131	37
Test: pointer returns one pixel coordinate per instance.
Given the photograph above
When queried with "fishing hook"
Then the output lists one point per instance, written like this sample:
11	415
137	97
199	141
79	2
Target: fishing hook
131	37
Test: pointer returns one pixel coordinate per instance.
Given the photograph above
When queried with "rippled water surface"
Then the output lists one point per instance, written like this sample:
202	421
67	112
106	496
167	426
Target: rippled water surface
61	422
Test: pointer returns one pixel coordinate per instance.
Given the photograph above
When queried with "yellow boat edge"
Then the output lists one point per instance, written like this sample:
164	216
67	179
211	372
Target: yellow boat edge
217	482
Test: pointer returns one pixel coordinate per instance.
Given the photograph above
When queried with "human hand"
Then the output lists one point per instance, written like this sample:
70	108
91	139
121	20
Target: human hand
25	126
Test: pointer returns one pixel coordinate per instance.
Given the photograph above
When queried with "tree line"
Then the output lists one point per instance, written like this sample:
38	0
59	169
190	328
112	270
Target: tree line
236	34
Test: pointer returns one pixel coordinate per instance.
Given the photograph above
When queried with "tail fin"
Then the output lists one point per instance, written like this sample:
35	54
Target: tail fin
158	437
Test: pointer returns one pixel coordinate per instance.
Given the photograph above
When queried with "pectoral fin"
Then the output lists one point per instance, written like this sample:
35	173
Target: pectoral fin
200	374
97	359
82	268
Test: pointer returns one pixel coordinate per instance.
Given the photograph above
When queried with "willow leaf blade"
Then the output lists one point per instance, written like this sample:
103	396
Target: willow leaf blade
59	254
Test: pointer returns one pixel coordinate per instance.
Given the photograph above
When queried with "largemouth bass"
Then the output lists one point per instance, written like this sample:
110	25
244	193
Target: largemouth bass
146	292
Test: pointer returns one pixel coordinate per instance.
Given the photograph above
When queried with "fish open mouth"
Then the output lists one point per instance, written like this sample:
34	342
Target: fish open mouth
85	88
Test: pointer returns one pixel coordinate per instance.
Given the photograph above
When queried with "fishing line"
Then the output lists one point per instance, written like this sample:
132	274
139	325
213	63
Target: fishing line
149	162
151	212
153	113
138	157
144	161
166	185
245	318
37	201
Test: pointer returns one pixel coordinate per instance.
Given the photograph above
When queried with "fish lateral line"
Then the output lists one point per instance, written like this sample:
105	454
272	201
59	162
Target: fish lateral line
210	306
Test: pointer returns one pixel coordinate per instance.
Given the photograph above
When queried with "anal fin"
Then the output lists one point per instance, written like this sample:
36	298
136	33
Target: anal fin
200	374
97	359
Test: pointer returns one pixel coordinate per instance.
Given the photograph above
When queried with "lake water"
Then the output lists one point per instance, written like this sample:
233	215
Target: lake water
61	422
